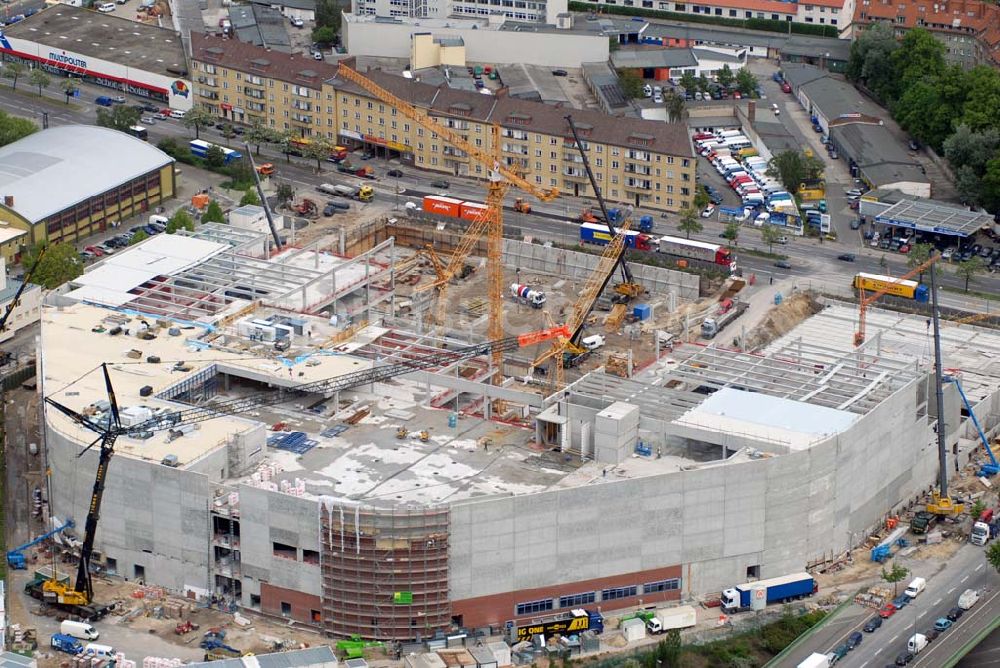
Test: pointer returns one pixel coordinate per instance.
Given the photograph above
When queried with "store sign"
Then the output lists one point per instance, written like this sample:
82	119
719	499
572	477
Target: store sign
352	135
395	146
61	57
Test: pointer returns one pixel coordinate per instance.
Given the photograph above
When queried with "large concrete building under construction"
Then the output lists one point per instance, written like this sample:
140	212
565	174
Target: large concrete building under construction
394	510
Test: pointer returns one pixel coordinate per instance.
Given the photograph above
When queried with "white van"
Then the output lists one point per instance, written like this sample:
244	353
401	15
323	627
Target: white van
159	220
81	630
726	134
916	586
916	643
968	599
100	651
592	342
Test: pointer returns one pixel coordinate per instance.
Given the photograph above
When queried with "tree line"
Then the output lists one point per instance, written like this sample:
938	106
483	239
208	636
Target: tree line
954	111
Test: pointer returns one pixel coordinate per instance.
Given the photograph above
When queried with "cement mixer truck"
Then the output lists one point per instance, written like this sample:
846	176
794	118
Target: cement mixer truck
527	295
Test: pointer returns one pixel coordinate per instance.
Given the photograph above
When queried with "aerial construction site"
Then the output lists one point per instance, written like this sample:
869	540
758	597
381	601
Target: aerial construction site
428	427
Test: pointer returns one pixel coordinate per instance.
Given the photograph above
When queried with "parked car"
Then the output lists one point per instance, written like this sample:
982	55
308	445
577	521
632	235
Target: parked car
955	614
94	250
106	7
104	101
785	88
118	99
904	658
559	73
901	601
440	183
783	264
395	173
151	108
914	145
176	113
840	651
86	256
297	22
160	116
708	211
887	611
931	634
106	248
329	210
943	624
854	639
846	257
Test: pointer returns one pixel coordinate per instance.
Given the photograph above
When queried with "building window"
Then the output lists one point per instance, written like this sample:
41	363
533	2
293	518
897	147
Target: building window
672	584
286	609
618	592
533	607
576	600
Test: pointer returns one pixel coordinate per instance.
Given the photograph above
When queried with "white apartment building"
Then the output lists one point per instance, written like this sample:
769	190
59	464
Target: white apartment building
541	11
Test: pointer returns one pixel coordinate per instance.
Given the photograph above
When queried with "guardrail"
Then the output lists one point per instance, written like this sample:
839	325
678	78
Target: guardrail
782	655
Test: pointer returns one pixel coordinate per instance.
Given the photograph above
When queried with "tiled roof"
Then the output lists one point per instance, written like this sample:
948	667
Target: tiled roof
967	17
233	54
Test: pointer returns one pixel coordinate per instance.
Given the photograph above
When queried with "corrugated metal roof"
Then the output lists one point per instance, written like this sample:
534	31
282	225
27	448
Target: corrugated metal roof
51	170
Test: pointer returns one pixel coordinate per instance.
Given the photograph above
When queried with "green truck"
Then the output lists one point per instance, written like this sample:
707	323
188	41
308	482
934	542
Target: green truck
922	522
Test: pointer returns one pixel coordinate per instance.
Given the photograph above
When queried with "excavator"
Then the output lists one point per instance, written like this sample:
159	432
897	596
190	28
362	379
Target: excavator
78	598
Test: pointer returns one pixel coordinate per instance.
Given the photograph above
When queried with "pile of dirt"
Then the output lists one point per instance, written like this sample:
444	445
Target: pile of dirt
782	318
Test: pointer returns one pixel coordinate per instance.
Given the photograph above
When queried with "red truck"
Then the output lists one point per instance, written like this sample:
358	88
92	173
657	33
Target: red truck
365	172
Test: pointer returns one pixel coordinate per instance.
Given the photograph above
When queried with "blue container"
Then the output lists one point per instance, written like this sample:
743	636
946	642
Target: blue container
777	299
453	420
642	311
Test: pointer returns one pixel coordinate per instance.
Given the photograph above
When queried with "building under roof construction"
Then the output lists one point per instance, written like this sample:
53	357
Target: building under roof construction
708	468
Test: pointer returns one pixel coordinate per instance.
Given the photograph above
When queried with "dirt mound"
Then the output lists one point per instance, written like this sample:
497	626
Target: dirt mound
782	318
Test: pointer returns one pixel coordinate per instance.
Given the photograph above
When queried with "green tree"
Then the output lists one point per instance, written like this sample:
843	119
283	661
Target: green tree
669	649
215	157
921	57
703	83
69	88
977	508
701	199
794	167
981	110
676	108
61	263
284	193
630	82
968	152
286	141
139	236
258	134
13	71
993	555
180	221
328	14
213	213
13	128
688	82
919	253
119	117
732	233
746	82
250	197
324	35
725	76
198	117
689	222
990	185
318	149
969	269
928	108
870	61
40	78
894	576
770	234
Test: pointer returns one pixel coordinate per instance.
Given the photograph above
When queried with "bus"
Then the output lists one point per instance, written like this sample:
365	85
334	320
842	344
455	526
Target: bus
199	148
299	145
139	132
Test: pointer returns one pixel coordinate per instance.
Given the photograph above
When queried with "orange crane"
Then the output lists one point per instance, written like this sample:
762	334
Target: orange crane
865	300
500	178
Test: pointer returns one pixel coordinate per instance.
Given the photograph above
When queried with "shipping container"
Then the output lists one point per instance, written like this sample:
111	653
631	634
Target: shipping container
892	286
472	210
443	206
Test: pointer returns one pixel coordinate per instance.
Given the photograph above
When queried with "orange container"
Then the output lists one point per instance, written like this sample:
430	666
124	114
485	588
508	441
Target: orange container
473	210
199	201
443	206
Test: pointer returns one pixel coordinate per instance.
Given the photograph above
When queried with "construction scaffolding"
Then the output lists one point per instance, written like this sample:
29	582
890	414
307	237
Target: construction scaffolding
385	571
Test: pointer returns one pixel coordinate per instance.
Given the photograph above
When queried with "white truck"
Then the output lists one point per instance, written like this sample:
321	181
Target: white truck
815	660
968	599
980	533
527	295
342	191
81	630
916	643
916	586
664	619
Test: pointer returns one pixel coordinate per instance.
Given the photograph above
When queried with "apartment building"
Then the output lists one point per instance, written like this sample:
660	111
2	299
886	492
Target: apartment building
645	163
541	11
969	29
244	84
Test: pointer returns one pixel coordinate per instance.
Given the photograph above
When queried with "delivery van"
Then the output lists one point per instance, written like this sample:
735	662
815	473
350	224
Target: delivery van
916	586
81	630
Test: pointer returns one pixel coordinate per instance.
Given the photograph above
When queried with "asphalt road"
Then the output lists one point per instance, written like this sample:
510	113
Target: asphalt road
967	569
813	260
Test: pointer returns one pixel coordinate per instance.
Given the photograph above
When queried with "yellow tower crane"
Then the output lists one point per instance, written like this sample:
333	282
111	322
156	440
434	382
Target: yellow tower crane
501	177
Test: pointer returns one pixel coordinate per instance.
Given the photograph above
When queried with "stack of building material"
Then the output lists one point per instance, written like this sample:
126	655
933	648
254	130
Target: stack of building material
457	658
501	652
158	662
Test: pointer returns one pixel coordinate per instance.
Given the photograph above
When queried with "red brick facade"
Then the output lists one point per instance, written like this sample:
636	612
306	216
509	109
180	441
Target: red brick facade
497	609
298	606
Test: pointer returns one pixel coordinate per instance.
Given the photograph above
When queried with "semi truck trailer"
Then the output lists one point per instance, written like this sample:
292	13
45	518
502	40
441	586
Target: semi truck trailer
776	590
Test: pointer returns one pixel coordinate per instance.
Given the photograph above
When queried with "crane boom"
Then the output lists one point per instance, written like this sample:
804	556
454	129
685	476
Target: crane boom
20	289
428	122
626	273
867	300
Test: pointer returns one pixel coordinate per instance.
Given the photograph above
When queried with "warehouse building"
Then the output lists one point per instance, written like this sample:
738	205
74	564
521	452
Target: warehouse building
93	192
707	469
123	55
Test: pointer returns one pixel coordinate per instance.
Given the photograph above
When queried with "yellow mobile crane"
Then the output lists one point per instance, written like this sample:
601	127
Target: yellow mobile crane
500	178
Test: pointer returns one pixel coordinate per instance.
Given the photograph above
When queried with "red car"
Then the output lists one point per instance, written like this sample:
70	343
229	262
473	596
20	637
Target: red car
887	611
785	88
95	250
904	249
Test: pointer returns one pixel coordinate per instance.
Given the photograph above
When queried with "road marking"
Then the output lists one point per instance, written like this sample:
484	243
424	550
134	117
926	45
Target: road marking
938	601
863	665
952	589
893	639
878	651
965	578
979	566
